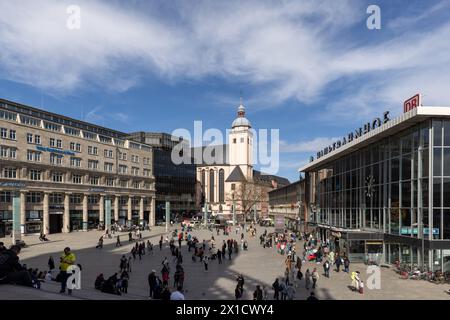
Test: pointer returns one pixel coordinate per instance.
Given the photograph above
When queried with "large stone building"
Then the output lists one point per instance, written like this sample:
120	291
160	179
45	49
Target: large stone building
63	170
232	181
175	183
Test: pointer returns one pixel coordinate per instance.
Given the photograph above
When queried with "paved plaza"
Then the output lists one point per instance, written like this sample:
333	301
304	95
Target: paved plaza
258	266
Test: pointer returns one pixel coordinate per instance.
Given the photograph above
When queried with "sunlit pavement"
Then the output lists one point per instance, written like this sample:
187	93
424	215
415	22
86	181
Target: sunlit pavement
259	266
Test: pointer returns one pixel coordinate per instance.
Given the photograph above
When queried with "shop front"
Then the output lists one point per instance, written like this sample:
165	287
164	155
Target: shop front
6	223
93	219
76	220
33	223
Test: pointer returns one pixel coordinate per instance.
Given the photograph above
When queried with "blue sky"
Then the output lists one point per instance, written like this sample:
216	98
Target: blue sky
311	69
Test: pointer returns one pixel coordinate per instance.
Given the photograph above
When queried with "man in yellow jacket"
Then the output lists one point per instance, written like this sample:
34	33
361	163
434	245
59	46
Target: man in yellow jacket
67	259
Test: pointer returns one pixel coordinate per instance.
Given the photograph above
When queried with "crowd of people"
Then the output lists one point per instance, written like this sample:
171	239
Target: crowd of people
205	251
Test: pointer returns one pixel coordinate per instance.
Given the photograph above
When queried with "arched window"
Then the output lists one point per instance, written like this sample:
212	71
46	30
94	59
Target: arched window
221	185
211	185
203	182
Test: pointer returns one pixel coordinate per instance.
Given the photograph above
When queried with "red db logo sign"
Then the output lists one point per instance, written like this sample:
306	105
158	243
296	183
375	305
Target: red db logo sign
411	103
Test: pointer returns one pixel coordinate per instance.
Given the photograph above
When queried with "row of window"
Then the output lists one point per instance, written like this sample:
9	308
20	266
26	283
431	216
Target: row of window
58	198
37	175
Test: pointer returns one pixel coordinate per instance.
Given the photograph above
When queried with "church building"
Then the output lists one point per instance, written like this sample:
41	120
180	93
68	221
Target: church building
233	182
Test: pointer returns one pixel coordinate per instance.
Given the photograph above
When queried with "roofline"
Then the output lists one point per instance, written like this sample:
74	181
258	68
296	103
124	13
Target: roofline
400	123
60	116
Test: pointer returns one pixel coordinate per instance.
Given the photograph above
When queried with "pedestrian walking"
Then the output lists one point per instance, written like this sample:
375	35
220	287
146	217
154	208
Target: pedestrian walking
205	262
118	244
276	289
315	278
307	279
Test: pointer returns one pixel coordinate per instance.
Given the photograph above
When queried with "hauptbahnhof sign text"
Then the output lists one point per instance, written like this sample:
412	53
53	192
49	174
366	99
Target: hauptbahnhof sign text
367	127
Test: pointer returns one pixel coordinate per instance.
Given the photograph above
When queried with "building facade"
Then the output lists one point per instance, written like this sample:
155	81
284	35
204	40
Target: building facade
289	202
386	193
175	183
63	170
231	185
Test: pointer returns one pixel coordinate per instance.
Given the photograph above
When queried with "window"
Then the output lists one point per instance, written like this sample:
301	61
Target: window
92	150
4	133
59	144
108	167
93	199
94	181
110	182
10	173
52	126
7	152
4	152
75	198
5	197
55	159
52	142
71	131
242	140
233	186
146	161
93	164
88	135
35	175
134	159
37	139
8	115
105	139
122	156
29	121
29	138
55	198
123	169
57	177
108	153
76	178
234	140
211	186
136	184
221	185
135	171
75	162
75	146
12	134
33	156
147	172
124	183
34	197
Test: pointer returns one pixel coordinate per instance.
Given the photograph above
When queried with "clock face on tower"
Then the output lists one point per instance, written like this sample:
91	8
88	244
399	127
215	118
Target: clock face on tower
370	181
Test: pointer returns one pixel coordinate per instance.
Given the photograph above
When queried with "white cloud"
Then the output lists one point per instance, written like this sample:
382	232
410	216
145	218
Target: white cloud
306	146
291	49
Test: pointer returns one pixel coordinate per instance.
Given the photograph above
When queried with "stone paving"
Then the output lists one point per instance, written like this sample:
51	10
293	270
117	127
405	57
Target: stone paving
258	266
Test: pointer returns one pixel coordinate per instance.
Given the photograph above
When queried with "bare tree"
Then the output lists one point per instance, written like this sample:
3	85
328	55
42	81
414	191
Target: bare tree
246	195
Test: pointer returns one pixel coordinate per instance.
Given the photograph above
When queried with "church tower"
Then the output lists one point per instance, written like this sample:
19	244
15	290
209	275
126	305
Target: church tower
241	143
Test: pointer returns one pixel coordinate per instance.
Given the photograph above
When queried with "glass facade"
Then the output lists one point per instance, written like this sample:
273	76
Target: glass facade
399	185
